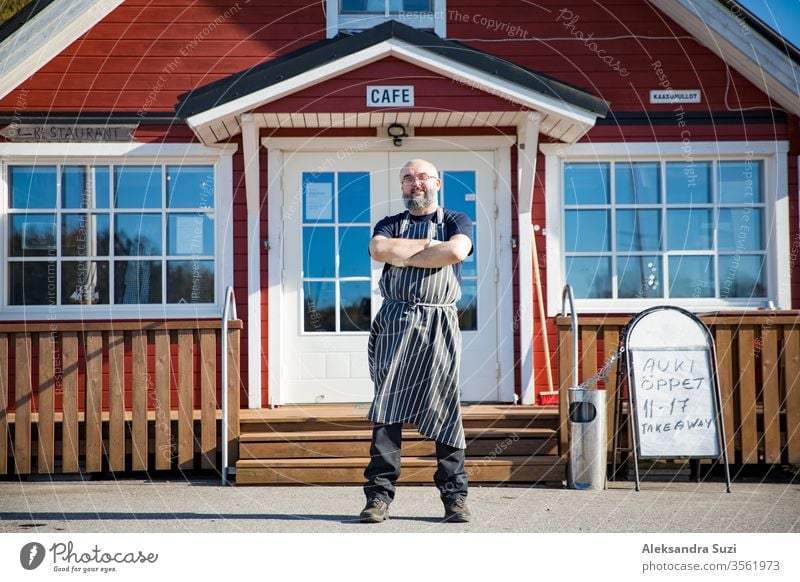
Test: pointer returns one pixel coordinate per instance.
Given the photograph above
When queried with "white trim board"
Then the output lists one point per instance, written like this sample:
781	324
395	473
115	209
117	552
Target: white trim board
774	155
45	35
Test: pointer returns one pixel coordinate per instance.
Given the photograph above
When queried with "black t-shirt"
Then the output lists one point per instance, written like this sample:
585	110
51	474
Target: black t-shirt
454	223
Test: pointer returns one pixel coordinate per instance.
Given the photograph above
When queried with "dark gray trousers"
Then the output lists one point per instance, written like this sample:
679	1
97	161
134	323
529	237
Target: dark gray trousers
383	470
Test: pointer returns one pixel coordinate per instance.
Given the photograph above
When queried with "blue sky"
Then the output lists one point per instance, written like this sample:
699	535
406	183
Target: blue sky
782	15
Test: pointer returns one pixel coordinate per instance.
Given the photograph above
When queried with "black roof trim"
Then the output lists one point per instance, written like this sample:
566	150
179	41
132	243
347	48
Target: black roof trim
328	50
22	17
783	44
91	118
775	116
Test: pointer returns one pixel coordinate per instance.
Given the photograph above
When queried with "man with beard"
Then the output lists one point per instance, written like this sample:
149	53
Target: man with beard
415	342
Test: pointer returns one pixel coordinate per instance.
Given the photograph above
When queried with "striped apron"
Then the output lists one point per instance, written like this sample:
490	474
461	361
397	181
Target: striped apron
415	345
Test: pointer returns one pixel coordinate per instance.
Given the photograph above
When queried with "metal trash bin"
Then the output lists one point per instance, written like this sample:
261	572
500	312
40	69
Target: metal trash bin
587	439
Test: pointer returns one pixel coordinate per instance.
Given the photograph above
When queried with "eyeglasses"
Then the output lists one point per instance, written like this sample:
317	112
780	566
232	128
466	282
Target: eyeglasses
408	180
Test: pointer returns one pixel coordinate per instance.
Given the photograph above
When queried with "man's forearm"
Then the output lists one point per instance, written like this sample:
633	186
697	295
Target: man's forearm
396	250
439	255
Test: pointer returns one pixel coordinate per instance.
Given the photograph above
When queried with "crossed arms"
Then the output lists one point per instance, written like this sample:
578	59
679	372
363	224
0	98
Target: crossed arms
419	252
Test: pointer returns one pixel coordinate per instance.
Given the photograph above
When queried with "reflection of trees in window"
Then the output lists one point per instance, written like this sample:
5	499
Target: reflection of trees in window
319	319
355	316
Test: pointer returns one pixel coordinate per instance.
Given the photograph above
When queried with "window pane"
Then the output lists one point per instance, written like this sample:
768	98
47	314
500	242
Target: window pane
639	277
688	182
319	251
137	187
84	235
586	183
137	282
137	234
319	306
190	234
84	282
690	230
32	235
468	306
740	229
33	187
691	276
638	230
458	191
33	283
410	6
79	192
741	276
355	310
469	268
190	281
318	197
587	231
354	197
190	186
590	277
637	183
353	255
740	182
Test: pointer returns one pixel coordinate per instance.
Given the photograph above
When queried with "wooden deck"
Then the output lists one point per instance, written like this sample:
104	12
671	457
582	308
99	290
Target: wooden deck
330	444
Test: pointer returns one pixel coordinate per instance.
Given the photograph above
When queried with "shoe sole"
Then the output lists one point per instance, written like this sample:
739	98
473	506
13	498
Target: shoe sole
372	519
457	519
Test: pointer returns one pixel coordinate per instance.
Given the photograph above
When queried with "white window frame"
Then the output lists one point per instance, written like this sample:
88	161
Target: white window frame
121	154
773	155
337	22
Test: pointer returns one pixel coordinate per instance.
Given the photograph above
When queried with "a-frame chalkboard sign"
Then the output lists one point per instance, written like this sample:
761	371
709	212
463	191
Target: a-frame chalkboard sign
674	404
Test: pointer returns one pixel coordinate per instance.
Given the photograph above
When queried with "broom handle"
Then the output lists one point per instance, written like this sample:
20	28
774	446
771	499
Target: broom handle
542	318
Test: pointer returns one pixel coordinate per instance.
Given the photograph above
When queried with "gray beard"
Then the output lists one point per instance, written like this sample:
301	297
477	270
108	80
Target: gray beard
421	203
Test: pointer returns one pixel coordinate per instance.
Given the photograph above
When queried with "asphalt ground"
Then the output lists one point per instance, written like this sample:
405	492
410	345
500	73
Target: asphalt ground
199	504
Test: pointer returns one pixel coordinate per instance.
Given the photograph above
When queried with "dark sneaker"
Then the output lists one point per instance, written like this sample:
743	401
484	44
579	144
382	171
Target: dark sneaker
376	511
457	511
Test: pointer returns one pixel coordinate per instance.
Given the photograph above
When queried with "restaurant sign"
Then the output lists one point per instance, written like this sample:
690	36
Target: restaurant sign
68	133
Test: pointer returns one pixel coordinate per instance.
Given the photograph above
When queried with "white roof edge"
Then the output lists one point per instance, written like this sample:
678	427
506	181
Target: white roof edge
405	52
718	29
44	36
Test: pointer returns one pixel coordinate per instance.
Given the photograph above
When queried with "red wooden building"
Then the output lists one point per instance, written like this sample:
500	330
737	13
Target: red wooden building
155	154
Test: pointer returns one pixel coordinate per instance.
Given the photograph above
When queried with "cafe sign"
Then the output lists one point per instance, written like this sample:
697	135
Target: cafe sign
39	133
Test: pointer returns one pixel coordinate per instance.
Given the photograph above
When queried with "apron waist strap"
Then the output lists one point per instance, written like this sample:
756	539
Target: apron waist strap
422	304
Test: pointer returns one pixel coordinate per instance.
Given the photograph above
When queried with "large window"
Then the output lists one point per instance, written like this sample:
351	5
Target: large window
670	229
105	234
363	14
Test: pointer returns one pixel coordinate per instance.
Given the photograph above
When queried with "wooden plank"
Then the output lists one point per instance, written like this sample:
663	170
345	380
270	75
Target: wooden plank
208	398
47	393
80	326
3	404
140	381
23	396
164	447
565	380
746	387
770	395
588	352
791	365
185	399
733	318
724	347
233	383
116	401
94	401
70	444
610	346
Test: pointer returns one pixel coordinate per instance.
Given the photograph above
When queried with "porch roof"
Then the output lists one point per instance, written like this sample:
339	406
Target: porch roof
214	110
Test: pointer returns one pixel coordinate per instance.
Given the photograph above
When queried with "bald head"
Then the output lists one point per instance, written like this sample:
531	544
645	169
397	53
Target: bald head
418	166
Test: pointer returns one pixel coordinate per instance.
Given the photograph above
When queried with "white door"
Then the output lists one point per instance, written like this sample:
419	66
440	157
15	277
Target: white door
330	284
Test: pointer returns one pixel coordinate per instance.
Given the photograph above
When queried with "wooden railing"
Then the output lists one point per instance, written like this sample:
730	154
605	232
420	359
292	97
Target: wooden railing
758	356
115	396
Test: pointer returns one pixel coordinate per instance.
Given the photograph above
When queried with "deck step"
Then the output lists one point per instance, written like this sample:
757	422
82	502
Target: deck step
356	443
512	469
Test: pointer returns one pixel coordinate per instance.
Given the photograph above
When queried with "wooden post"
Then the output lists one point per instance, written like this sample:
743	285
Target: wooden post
47	392
23	395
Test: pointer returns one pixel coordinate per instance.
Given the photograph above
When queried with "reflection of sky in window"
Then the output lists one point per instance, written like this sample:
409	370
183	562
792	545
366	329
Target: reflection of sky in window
354	203
741	276
354	261
190	186
190	234
355	311
33	187
318	252
137	234
688	182
638	230
590	277
137	187
73	187
639	276
587	230
458	190
637	183
690	229
739	229
740	182
691	276
586	183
